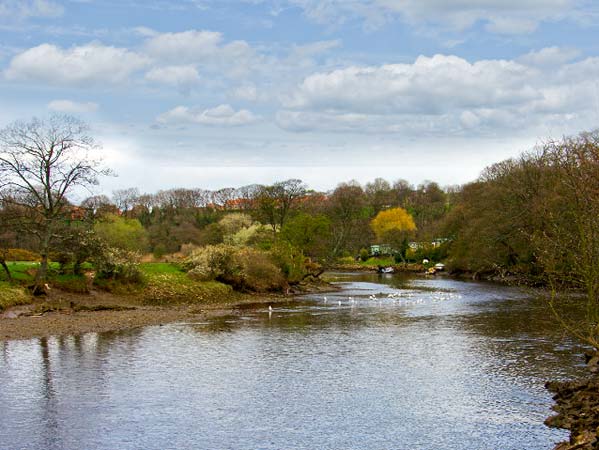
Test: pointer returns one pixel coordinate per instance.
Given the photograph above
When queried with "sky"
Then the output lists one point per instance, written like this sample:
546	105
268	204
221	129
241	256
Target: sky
219	93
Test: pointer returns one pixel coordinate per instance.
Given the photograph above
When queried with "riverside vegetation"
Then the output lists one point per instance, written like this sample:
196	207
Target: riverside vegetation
530	220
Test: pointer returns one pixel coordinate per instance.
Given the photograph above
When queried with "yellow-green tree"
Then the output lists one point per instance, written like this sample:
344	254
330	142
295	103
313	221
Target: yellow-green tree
393	226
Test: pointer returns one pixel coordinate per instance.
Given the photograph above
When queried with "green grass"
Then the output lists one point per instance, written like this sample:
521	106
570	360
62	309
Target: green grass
152	269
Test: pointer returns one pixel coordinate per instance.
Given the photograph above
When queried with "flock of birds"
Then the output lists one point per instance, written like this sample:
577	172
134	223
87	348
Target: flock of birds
403	298
400	298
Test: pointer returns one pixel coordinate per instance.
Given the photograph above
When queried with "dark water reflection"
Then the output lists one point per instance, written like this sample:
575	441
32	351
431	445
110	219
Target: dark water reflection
387	363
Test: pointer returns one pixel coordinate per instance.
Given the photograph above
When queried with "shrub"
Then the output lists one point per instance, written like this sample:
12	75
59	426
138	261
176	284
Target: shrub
290	260
159	251
118	265
244	269
258	273
364	254
211	262
12	295
20	254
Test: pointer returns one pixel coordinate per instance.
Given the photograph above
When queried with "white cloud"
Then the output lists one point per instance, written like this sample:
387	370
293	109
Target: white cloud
207	49
182	77
23	9
550	56
222	115
190	46
91	63
445	94
71	107
429	85
500	16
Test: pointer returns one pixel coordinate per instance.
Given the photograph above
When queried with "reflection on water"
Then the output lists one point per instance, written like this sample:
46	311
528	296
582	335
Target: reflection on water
387	362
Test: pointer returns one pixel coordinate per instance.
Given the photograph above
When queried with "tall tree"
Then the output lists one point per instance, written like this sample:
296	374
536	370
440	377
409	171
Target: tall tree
275	202
346	208
41	162
393	226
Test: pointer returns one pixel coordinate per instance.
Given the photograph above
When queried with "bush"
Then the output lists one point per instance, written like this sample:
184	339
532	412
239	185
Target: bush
244	269
290	260
118	265
159	251
211	262
364	254
258	273
20	254
12	295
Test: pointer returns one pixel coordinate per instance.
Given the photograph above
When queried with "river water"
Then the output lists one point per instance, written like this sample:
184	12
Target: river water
388	362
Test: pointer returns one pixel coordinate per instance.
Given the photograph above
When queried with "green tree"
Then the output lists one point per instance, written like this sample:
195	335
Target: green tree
122	233
310	234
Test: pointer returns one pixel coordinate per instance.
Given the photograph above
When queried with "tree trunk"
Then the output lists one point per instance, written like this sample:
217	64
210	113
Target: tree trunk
6	270
42	273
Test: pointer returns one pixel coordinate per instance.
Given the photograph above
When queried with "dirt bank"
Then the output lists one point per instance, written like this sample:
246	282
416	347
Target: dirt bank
62	313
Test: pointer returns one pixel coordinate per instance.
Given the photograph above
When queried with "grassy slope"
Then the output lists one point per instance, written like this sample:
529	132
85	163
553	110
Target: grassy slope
164	284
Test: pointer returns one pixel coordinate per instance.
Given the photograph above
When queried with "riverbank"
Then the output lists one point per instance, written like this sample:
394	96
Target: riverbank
66	313
577	408
76	305
362	267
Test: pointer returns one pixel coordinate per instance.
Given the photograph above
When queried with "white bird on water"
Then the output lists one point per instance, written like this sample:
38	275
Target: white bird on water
325	299
269	308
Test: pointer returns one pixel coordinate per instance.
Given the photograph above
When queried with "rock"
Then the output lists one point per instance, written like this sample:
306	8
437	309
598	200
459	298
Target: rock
577	408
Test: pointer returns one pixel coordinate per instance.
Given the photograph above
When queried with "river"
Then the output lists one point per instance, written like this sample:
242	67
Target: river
388	362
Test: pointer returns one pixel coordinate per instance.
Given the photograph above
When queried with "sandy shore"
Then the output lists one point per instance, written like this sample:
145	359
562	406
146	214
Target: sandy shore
71	314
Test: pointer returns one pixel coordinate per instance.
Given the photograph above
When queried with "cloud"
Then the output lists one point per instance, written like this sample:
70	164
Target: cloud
550	56
206	49
500	16
429	85
71	107
445	94
222	115
80	65
23	9
182	77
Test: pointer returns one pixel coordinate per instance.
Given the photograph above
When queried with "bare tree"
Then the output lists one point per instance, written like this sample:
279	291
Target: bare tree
568	245
125	199
275	202
41	162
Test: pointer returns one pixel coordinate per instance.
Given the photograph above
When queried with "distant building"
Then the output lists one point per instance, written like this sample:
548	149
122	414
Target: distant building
381	250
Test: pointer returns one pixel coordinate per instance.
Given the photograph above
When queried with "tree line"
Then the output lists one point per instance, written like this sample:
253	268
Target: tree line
534	217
